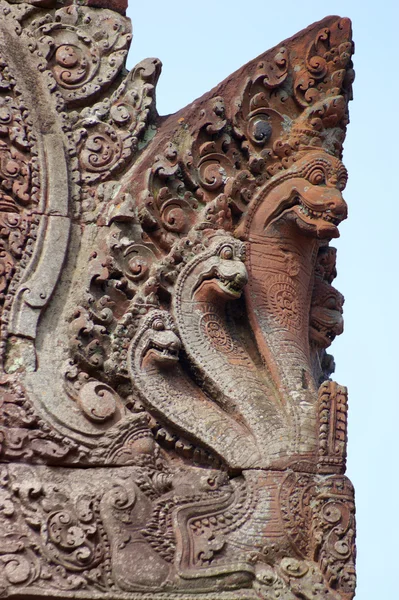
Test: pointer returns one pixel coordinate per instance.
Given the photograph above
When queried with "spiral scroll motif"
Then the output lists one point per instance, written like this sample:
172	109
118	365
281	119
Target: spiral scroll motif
137	261
177	215
72	541
85	50
71	67
284	301
214	329
326	64
98	401
101	150
213	171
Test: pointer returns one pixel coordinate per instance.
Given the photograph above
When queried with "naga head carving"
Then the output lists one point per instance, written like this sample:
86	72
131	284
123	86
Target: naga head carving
326	321
308	195
219	273
157	341
318	203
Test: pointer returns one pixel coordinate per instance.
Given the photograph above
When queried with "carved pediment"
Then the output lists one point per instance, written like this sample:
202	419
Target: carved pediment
168	422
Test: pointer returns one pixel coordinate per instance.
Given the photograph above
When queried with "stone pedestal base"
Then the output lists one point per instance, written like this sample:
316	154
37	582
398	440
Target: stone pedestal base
135	533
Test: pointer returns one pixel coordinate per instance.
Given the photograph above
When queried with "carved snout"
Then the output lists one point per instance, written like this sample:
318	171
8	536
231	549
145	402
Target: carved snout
241	279
175	344
328	318
336	204
167	339
325	200
233	271
162	347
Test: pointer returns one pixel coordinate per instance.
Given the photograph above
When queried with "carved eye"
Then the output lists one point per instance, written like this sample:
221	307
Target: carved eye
211	482
331	303
158	325
341	184
317	177
227	253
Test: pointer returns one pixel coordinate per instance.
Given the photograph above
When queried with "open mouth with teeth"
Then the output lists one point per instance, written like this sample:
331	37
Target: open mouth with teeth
326	222
325	325
325	215
164	354
233	286
321	335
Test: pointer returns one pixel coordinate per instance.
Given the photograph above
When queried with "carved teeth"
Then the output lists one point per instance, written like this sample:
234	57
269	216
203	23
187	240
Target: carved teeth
314	214
327	333
162	350
232	284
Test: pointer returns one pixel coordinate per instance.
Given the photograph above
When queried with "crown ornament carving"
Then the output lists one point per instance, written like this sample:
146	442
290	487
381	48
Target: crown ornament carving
168	422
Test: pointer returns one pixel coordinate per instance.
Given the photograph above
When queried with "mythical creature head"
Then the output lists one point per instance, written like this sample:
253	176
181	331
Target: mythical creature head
318	204
218	272
156	340
309	195
326	319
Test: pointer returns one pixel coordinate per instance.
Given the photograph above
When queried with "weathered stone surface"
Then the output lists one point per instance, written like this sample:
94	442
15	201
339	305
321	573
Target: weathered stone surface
168	425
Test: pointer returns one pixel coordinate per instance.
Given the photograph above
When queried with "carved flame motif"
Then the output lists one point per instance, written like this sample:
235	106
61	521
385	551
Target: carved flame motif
166	413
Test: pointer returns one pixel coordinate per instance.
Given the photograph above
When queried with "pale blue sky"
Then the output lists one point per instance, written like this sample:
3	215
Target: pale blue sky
200	43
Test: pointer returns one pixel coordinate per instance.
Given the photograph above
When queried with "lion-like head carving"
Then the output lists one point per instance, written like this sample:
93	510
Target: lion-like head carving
318	202
326	319
157	340
309	195
220	271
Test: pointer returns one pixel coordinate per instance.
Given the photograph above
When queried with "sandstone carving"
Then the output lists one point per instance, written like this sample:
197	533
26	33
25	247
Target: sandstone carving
168	424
